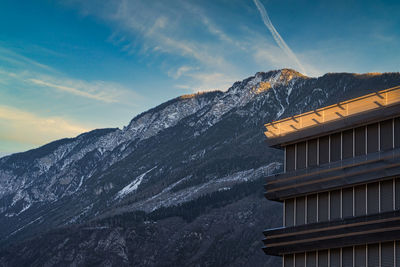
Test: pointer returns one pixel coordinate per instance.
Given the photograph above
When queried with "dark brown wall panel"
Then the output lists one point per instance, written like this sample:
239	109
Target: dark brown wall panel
290	158
323	258
372	138
360	256
347	257
397	185
359	134
335	204
324	150
300	260
360	203
347	202
386	134
312	148
301	155
311	259
397	132
373	198
336	140
347	145
334	258
312	208
373	255
386	195
323	208
300	210
387	254
289	260
289	212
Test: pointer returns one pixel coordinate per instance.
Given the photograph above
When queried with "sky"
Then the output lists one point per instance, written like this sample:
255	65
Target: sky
67	67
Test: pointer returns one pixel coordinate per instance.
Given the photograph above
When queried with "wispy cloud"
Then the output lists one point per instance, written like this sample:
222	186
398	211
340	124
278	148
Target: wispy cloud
100	91
209	49
277	37
21	69
161	27
21	126
55	105
19	60
177	73
191	39
211	27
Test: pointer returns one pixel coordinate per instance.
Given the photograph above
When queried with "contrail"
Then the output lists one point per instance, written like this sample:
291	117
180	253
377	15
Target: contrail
281	43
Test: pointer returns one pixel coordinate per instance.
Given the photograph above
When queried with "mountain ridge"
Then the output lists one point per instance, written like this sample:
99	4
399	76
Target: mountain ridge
200	93
186	152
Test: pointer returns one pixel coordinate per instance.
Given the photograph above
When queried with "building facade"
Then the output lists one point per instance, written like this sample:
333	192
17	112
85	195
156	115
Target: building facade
340	187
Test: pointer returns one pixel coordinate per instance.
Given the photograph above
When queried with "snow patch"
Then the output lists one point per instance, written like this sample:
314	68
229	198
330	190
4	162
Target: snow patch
168	198
26	225
80	184
133	185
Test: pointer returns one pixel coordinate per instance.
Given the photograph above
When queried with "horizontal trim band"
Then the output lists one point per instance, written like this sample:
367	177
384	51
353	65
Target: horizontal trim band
335	236
330	228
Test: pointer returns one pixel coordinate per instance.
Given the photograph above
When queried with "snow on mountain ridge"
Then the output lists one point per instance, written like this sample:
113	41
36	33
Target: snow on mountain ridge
55	166
63	158
241	93
59	172
169	197
214	140
133	185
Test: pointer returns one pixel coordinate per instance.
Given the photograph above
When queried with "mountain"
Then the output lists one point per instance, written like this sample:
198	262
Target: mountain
181	184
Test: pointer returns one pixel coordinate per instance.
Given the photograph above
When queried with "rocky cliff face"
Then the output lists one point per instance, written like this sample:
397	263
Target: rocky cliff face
182	183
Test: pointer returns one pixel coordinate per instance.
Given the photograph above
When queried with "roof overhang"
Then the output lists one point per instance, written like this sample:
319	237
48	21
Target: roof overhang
363	110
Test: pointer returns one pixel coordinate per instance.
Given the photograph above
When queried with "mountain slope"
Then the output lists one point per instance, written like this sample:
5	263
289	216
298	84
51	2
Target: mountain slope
189	151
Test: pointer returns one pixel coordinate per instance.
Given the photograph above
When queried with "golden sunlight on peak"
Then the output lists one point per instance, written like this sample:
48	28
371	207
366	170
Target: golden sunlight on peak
188	96
262	87
368	74
373	74
291	73
288	74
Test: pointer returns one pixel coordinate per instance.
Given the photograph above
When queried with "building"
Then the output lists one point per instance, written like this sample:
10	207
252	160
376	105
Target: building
340	187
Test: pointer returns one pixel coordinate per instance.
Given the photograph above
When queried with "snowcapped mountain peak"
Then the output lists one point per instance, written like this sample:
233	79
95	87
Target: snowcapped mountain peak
262	81
194	140
280	77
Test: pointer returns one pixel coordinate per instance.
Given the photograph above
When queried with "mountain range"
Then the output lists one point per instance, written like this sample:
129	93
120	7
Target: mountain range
180	185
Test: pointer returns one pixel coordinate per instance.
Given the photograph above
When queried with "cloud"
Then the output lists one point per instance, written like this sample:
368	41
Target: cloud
100	91
21	69
160	27
25	127
182	33
279	40
212	27
19	60
177	73
29	91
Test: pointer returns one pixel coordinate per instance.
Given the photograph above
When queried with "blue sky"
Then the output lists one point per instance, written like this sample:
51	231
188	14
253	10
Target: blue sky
71	66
